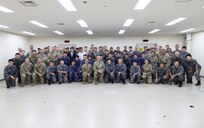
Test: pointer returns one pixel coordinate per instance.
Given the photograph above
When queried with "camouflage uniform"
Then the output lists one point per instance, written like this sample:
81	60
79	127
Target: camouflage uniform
41	55
26	73
147	73
8	72
86	73
47	60
165	59
99	68
33	59
39	69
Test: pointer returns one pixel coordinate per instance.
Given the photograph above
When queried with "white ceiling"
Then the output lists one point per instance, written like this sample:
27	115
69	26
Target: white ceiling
103	21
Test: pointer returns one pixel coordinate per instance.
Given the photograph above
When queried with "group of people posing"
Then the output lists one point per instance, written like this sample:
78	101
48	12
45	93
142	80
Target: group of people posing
147	65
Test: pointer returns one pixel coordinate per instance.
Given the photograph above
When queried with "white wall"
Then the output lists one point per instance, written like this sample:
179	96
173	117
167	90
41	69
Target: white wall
9	45
197	47
109	41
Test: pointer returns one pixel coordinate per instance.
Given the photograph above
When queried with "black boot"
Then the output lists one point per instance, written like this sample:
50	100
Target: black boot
198	83
49	82
180	84
124	82
189	81
8	86
112	81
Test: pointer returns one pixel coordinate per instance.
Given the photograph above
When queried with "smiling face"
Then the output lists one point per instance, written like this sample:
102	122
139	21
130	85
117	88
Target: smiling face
176	63
10	63
146	62
62	62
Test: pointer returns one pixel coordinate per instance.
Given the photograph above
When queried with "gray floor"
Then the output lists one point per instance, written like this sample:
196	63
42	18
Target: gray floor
102	106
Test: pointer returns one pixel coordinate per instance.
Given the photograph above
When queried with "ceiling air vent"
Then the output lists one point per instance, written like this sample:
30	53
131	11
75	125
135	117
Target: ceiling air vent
28	3
60	24
183	1
151	22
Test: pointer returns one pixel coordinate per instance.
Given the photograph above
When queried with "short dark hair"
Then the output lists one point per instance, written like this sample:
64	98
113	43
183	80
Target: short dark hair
10	60
17	54
189	55
184	47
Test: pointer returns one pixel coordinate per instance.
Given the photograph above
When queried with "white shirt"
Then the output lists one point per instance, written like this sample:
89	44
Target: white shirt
80	54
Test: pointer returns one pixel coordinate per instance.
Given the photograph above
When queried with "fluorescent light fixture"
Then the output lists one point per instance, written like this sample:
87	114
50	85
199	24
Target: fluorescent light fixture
128	22
28	33
187	30
154	31
82	23
142	4
121	32
89	32
38	24
6	10
3	26
58	32
203	7
175	21
68	5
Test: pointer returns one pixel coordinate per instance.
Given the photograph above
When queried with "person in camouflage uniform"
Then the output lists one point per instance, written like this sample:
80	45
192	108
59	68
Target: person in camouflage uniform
41	54
51	73
49	58
10	74
147	72
39	72
154	62
86	72
99	68
26	72
164	57
33	57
